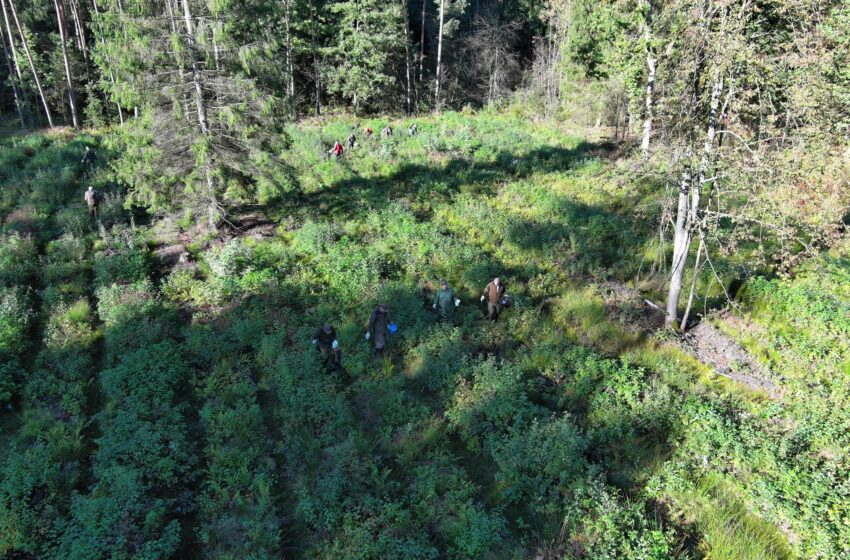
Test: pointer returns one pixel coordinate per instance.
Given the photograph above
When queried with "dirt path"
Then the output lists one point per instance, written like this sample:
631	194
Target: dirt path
705	342
728	358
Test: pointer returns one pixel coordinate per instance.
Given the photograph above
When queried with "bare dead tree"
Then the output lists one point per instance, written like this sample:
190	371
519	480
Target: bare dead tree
495	61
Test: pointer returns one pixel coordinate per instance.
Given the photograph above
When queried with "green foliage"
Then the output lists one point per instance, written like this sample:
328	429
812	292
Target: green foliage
143	461
15	316
18	260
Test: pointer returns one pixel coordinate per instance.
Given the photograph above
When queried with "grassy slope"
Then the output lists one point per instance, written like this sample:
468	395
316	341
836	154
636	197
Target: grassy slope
560	428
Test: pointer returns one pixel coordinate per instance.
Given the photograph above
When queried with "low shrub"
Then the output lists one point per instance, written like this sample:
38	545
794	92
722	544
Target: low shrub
15	316
18	259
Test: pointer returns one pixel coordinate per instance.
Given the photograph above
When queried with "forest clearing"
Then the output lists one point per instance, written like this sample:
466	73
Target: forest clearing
333	279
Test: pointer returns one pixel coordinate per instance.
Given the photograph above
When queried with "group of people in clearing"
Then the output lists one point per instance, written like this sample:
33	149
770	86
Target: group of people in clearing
379	326
338	150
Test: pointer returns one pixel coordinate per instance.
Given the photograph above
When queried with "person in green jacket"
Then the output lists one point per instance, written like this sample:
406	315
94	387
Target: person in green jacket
445	301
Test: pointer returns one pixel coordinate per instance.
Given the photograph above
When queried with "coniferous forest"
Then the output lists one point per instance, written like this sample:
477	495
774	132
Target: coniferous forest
249	305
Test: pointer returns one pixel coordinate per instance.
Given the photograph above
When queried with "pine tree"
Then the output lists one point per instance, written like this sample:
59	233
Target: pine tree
368	46
207	132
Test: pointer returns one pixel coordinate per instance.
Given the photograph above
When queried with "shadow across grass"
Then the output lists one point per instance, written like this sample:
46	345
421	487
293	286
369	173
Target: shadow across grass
426	185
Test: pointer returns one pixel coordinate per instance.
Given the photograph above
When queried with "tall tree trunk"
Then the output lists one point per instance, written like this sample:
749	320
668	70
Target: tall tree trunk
196	75
316	70
422	42
688	212
439	57
14	79
289	65
31	63
63	36
80	29
651	62
684	324
681	246
213	208
171	10
408	87
109	64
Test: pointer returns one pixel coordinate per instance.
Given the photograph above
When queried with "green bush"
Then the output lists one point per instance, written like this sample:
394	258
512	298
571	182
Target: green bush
18	260
121	267
15	316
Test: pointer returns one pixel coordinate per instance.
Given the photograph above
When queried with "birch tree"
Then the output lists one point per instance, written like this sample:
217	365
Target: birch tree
59	6
28	54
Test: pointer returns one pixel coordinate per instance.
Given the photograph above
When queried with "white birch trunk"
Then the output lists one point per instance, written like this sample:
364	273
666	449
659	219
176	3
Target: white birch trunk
31	63
14	79
63	36
651	63
439	56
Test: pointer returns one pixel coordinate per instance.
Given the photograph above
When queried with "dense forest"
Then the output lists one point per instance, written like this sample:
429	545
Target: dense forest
663	187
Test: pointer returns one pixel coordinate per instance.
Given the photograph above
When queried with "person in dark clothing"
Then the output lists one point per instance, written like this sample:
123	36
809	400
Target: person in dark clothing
352	140
92	199
412	130
325	338
445	301
387	131
493	293
88	158
378	327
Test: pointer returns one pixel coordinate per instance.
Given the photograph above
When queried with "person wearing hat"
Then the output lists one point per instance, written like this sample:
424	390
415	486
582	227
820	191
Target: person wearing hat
493	293
378	327
445	301
325	338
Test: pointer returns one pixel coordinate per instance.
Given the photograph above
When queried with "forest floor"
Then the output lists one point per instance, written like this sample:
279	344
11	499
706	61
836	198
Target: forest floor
574	427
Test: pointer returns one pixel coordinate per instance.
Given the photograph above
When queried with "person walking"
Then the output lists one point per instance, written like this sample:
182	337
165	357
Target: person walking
445	301
88	159
336	151
352	140
494	294
378	327
92	198
387	131
325	339
412	129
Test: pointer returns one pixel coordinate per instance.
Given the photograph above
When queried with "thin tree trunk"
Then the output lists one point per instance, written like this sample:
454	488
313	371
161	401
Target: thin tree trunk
650	80
213	207
289	66
14	79
316	70
439	56
172	18
196	78
422	43
109	64
80	31
687	216
681	245
31	63
408	86
63	36
684	325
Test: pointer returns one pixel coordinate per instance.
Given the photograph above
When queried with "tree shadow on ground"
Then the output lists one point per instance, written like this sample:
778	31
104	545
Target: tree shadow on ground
424	185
